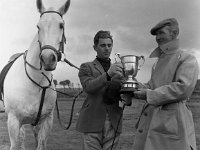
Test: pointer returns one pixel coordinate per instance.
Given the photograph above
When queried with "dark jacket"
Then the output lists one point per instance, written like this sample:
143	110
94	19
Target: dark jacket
93	112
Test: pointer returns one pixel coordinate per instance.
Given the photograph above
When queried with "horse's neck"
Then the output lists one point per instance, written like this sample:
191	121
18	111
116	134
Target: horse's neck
33	58
33	53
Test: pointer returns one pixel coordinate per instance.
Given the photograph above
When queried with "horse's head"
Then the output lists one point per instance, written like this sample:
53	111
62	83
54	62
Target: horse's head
51	35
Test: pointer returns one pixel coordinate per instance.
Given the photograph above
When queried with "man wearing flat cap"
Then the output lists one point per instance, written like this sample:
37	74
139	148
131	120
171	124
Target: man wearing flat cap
166	121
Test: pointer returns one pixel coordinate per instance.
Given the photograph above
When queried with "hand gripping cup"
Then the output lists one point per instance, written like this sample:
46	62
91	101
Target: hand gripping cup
130	69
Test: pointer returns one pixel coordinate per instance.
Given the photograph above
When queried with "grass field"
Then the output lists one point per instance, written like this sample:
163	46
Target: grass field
60	139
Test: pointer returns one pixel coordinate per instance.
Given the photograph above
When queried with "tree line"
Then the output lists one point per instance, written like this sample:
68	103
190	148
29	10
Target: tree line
66	83
68	88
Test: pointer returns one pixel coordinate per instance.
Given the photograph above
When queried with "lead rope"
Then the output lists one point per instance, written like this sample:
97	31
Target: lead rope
118	126
69	63
66	127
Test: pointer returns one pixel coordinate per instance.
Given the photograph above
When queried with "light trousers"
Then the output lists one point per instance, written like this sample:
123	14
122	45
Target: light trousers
101	140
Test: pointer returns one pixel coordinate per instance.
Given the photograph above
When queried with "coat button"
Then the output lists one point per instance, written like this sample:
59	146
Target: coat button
140	130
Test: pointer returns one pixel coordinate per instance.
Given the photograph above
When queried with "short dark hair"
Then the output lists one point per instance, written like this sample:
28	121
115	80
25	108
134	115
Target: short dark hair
102	34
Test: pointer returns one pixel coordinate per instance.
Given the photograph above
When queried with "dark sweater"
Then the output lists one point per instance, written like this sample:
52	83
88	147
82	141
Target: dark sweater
105	63
111	94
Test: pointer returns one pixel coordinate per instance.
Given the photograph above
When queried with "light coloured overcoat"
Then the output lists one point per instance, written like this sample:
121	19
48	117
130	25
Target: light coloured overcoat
166	121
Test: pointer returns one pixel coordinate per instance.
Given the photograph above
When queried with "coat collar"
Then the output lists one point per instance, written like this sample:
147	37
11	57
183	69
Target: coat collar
98	66
168	48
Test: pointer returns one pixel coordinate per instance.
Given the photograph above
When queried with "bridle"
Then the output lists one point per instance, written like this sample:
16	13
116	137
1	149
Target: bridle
58	53
62	42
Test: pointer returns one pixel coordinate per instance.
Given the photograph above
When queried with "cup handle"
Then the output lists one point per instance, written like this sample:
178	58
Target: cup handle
117	55
141	57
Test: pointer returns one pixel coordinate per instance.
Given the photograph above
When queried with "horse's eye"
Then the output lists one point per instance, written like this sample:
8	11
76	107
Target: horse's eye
61	25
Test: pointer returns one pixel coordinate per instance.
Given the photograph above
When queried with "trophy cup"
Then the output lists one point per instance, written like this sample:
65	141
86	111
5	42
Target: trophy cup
130	68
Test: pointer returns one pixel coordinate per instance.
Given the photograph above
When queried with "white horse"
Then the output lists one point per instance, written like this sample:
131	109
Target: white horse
30	76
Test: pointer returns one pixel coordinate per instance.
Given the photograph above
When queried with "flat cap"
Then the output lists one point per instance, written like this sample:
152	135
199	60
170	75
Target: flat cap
163	23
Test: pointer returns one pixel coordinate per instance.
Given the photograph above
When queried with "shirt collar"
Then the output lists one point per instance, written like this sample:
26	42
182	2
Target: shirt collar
168	48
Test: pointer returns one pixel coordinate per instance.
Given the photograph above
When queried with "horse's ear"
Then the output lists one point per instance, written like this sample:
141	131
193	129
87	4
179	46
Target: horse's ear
40	6
63	9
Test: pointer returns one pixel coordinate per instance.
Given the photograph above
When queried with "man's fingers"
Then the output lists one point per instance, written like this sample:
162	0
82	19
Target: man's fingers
119	65
118	69
140	94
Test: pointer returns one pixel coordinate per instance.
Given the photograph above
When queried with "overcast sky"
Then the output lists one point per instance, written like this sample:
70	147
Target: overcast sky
128	20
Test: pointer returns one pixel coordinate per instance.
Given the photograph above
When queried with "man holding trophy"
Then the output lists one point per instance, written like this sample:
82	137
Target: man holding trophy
166	122
100	116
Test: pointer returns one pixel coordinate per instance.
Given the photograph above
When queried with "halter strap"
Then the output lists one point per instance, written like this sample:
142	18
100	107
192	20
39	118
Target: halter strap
62	42
49	47
51	11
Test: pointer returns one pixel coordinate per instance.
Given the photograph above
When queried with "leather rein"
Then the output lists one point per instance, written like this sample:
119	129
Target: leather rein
42	87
